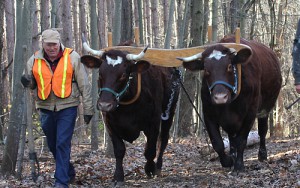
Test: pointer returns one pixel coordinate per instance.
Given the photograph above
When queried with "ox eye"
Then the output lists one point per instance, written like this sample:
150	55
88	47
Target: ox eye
229	68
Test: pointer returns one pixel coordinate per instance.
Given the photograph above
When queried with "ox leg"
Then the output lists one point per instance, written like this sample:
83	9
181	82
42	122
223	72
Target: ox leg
262	132
232	146
218	145
241	142
162	143
119	152
150	152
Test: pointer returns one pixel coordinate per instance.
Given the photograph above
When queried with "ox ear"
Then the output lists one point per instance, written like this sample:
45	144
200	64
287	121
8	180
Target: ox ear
140	66
242	56
90	61
195	65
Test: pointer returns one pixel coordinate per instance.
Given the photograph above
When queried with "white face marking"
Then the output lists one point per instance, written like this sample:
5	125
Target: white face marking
216	54
114	62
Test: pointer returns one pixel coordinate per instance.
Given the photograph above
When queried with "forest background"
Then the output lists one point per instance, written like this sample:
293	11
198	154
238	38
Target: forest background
159	23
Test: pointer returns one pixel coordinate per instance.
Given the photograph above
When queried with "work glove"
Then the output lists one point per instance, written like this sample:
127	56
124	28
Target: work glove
28	81
25	80
87	118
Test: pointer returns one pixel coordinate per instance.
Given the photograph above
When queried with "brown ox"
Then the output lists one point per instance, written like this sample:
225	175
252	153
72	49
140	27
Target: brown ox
127	113
232	108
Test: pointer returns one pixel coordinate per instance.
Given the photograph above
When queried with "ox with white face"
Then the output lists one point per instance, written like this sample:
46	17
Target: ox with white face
220	71
237	87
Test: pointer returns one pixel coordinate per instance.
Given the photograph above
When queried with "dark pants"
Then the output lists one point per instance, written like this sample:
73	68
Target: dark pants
58	128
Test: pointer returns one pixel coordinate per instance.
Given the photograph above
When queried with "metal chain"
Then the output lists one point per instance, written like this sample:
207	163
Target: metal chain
175	85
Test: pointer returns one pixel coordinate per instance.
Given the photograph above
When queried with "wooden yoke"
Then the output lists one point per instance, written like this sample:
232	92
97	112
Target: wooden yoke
167	57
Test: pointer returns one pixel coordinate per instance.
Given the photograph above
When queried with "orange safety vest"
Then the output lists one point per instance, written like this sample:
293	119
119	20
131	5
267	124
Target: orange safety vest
60	82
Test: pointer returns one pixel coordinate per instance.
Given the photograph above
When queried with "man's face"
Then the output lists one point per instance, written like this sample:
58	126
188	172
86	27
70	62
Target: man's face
51	49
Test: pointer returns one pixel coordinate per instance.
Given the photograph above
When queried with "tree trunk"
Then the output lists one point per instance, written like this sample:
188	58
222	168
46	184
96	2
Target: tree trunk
140	20
10	44
147	21
23	23
110	12
166	16
67	34
45	15
102	23
35	30
94	45
117	22
155	23
186	119
2	91
183	25
53	12
58	17
127	33
205	21
170	25
82	21
214	20
75	33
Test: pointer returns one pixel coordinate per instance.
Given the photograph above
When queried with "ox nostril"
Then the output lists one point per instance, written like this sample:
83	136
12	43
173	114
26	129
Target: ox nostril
220	98
105	106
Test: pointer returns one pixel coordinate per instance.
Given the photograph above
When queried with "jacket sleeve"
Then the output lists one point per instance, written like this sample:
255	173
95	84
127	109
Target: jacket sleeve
81	77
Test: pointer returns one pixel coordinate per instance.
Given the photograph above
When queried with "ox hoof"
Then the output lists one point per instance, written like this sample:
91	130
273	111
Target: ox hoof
262	155
117	184
227	161
150	169
236	172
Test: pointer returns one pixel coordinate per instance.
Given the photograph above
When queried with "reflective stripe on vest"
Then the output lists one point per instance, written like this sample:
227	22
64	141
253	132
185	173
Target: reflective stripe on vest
42	89
60	82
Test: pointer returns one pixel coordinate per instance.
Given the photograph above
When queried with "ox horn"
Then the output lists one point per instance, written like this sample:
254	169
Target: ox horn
90	50
190	58
137	57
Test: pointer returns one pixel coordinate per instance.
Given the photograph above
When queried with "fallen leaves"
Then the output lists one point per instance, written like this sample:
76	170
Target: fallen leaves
185	164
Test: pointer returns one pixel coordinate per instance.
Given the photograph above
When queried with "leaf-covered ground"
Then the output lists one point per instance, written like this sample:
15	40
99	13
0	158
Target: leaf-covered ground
187	163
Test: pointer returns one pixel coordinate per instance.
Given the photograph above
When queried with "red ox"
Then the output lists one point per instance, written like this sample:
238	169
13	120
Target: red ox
235	108
127	111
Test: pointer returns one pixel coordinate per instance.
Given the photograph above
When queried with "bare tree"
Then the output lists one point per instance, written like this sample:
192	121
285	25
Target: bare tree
155	22
45	15
2	92
147	21
82	21
117	22
67	34
54	12
35	29
76	34
166	12
102	23
140	21
183	22
94	45
110	12
214	19
170	25
23	23
127	21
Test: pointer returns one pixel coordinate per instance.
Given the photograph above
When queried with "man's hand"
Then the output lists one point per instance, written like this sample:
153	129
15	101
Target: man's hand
87	118
28	81
25	80
297	87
